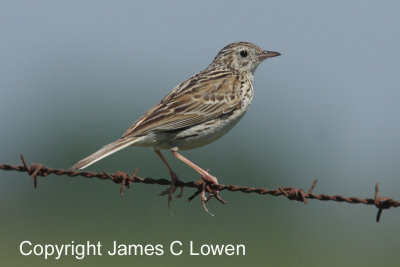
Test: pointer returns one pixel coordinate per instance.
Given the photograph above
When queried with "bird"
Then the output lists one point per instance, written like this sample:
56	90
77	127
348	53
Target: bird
195	113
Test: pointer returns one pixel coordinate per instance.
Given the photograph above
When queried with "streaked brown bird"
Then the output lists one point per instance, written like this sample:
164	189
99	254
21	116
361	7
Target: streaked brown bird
196	112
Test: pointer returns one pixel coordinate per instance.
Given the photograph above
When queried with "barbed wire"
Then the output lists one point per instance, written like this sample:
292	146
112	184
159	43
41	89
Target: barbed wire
126	180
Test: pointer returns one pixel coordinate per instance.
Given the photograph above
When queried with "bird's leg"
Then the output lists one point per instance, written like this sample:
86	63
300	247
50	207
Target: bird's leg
204	174
174	179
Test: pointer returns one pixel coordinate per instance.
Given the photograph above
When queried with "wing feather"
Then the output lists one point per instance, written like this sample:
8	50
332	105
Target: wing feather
203	97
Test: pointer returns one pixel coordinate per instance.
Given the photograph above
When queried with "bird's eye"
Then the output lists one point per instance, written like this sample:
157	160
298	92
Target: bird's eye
243	53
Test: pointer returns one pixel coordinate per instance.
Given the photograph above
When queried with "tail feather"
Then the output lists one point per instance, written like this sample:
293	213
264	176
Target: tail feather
104	152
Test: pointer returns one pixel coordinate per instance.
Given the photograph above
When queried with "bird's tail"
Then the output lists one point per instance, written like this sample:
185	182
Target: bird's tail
104	152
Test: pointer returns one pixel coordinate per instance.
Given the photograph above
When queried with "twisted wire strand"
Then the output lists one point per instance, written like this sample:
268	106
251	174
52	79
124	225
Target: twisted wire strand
123	178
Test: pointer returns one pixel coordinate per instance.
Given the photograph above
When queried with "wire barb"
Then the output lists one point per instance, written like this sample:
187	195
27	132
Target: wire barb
291	193
381	202
33	171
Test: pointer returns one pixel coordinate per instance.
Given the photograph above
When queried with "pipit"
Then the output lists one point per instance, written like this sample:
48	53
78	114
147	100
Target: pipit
196	112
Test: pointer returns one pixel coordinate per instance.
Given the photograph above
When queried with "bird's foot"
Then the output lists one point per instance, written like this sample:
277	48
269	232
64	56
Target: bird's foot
172	189
205	192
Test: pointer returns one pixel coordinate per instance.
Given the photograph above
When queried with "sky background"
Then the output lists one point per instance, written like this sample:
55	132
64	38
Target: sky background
74	75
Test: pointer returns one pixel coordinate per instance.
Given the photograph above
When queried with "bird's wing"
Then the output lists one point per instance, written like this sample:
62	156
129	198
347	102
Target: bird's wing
205	96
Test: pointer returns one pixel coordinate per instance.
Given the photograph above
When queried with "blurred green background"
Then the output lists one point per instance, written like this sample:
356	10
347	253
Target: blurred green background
74	75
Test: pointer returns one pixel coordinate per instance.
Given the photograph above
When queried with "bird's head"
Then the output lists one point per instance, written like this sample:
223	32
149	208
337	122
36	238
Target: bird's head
242	57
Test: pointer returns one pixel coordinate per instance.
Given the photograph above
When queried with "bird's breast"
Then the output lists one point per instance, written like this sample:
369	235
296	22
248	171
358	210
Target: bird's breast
246	95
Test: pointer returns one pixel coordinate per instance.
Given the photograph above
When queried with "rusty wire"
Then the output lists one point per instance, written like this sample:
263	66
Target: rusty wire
125	179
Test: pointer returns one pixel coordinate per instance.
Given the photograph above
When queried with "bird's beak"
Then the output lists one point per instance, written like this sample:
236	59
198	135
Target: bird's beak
267	54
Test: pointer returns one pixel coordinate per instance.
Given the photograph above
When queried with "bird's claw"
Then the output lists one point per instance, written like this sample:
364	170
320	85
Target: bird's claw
208	179
172	189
